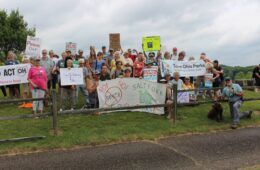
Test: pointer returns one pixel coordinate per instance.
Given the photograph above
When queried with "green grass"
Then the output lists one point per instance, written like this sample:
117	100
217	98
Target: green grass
82	130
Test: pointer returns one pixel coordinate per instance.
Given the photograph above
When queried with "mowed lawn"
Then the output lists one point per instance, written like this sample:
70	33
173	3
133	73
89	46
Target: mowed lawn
84	130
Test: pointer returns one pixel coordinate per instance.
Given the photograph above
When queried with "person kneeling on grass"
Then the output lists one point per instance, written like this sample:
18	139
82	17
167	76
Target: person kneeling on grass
234	93
37	78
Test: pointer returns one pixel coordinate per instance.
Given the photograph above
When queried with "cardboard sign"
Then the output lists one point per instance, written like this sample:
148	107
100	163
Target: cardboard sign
114	41
73	76
33	47
72	47
152	43
131	92
14	74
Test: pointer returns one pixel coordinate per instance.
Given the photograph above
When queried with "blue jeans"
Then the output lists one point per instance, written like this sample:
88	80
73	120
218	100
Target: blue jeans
234	111
38	93
84	91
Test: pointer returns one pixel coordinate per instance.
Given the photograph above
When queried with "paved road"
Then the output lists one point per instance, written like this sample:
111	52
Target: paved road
224	150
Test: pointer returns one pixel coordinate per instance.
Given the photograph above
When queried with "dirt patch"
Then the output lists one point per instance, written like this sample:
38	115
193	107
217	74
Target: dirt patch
256	112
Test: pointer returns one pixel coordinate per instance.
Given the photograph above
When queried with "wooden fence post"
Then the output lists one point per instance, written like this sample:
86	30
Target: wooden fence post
175	92
174	110
54	112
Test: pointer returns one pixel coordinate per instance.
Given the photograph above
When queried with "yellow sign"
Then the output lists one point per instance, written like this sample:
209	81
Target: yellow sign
152	43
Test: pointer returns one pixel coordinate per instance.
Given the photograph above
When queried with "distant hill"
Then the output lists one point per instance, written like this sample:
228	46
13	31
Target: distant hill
237	72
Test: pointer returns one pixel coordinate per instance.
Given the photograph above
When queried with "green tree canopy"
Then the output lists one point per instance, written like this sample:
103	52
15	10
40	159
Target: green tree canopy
13	31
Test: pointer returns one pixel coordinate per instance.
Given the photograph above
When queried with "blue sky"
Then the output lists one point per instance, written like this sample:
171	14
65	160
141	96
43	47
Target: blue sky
225	30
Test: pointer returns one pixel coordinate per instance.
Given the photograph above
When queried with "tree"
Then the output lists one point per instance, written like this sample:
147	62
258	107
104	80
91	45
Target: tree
13	31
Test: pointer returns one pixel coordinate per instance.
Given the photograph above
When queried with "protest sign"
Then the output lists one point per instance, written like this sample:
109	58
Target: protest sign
183	97
33	47
73	76
114	41
185	68
131	92
208	82
72	47
152	43
150	74
14	74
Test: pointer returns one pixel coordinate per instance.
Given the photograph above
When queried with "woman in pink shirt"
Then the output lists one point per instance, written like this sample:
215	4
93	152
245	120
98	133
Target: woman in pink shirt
37	78
138	66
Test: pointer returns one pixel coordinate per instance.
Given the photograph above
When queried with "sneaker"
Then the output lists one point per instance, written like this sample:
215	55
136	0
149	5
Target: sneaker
234	126
249	116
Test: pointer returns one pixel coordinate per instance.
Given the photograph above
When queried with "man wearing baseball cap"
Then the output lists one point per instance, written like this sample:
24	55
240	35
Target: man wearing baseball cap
234	93
174	55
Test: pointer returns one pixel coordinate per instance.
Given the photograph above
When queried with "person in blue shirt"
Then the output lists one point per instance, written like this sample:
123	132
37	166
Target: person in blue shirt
234	93
14	90
97	63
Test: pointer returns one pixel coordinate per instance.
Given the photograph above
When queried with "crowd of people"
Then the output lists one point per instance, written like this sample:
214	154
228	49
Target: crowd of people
44	74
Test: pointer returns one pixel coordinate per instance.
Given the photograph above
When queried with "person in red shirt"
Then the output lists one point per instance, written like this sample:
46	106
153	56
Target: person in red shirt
132	55
139	65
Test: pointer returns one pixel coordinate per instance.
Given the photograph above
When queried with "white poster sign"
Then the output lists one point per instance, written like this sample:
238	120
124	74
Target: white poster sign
150	74
33	47
183	97
208	82
131	92
72	47
73	76
185	68
14	74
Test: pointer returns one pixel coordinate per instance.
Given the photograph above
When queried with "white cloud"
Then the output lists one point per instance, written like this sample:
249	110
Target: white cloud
218	27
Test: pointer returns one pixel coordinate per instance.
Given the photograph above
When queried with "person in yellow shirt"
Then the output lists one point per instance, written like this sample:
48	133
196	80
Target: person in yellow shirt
187	85
117	57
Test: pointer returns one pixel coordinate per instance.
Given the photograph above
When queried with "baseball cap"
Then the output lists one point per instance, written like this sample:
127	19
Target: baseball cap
174	49
227	78
127	69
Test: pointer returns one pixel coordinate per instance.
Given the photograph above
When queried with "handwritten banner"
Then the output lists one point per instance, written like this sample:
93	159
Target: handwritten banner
185	68
131	92
14	74
150	74
73	76
33	47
